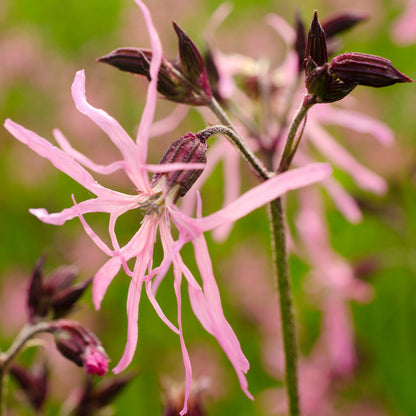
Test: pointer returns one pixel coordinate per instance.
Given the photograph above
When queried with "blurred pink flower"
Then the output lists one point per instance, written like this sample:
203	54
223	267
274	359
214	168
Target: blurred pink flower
284	80
404	28
160	212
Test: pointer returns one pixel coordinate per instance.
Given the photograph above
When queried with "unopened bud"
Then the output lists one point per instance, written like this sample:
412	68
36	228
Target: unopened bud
37	304
300	41
192	62
183	82
340	23
95	396
33	383
326	87
364	69
316	44
190	148
80	345
55	297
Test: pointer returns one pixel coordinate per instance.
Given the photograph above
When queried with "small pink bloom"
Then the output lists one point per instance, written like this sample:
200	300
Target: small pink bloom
95	362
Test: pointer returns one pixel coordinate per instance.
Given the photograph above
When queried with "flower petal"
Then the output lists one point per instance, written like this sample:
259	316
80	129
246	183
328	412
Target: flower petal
84	160
118	203
264	193
338	155
56	156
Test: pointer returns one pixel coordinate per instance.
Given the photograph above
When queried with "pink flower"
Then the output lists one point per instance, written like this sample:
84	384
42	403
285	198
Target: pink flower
95	362
160	212
404	28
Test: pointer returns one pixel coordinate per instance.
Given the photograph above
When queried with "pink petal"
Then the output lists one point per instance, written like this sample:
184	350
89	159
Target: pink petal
115	132
339	156
356	121
83	160
404	29
158	309
149	109
133	300
264	193
171	122
56	156
345	203
185	354
212	316
283	28
142	263
118	203
103	278
135	247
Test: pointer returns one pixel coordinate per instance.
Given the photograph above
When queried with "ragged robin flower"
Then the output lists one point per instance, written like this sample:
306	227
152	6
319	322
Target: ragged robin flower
157	201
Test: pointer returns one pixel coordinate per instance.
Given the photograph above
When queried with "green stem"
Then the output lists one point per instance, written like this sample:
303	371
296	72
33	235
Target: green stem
27	332
237	141
286	309
288	152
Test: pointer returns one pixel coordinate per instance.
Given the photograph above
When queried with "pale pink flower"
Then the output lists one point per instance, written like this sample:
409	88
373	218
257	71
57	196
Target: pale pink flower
160	213
284	78
404	28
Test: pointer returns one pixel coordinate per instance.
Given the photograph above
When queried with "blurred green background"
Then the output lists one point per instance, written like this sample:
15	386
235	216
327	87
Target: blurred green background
43	43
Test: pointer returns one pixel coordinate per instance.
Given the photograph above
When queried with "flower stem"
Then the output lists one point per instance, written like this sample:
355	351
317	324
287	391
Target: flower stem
27	332
237	141
290	149
279	249
285	296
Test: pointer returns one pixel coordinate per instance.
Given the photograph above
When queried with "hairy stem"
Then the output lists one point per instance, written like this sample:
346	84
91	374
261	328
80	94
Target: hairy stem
285	296
289	150
237	141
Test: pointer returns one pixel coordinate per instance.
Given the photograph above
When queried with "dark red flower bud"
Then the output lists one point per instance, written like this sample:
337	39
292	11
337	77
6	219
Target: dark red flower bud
364	69
56	296
325	87
213	75
192	62
94	397
33	383
184	82
340	23
80	345
63	301
190	148
300	42
316	44
37	303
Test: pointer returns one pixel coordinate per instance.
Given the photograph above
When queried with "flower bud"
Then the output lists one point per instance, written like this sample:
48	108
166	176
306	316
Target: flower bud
364	69
94	397
340	23
78	344
316	44
184	82
56	296
300	41
192	62
190	148
325	87
33	383
37	303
